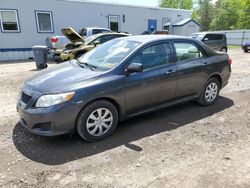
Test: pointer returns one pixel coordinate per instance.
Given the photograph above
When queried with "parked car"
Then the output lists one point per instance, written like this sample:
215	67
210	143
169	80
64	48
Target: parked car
155	33
246	46
118	80
217	41
160	33
79	45
58	43
88	31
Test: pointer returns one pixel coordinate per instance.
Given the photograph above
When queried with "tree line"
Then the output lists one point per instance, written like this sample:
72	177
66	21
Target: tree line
215	14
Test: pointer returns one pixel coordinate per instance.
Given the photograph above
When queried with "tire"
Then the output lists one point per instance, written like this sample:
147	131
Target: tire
92	126
245	50
204	98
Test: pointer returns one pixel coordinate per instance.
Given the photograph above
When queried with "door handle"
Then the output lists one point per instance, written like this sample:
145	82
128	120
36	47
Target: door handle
170	71
205	63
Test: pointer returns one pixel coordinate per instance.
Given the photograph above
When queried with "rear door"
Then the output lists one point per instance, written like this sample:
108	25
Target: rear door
215	41
191	68
156	84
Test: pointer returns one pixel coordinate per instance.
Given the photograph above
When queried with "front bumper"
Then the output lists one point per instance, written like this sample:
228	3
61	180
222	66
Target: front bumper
246	47
66	57
55	120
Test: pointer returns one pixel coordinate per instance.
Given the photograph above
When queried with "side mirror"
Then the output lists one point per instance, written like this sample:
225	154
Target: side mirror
134	67
96	43
205	39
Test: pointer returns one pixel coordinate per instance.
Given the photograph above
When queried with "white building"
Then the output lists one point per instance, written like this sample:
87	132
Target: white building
25	23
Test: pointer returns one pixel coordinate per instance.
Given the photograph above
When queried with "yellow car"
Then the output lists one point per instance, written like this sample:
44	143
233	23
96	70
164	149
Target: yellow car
79	45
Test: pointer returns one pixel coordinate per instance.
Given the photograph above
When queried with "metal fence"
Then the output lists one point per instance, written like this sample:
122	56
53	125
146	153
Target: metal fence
236	37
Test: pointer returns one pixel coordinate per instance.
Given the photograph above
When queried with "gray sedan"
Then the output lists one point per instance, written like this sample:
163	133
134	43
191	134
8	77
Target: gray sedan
118	80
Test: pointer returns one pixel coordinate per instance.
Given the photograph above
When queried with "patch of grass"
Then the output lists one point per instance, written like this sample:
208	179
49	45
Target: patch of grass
233	47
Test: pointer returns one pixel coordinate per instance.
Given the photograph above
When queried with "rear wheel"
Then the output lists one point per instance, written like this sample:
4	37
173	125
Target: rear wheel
245	50
97	121
210	92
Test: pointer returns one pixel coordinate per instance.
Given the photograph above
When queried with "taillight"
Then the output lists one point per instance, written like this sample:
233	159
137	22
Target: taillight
54	39
230	61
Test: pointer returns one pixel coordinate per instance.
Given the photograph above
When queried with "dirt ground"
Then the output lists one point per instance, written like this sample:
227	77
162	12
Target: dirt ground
182	146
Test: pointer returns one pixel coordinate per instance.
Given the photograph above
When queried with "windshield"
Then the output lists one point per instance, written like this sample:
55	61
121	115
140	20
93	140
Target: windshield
109	54
89	39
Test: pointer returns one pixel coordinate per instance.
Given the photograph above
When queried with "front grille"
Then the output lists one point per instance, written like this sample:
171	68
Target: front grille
25	98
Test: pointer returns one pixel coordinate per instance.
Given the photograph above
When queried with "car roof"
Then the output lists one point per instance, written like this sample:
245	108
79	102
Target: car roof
96	28
204	33
151	38
111	33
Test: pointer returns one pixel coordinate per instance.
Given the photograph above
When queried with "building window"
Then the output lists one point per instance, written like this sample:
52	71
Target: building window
9	21
166	23
44	22
114	23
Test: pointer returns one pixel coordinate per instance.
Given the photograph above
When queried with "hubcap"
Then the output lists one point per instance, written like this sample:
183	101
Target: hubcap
211	92
99	122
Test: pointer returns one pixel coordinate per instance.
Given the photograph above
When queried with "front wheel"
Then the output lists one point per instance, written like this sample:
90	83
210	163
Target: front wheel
97	121
210	92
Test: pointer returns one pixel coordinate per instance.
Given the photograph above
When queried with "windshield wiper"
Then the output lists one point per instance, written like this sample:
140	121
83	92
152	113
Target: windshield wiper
91	67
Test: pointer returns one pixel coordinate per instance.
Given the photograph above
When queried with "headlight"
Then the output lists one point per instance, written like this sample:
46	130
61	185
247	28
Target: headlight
53	99
67	51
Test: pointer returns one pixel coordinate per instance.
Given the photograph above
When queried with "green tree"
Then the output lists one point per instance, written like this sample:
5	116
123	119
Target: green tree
227	14
181	4
244	20
205	12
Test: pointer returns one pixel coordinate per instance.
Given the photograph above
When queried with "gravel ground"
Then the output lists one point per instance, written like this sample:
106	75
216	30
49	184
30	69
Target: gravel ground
182	146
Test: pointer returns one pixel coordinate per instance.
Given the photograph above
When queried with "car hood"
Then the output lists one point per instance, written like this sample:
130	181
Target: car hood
65	77
72	35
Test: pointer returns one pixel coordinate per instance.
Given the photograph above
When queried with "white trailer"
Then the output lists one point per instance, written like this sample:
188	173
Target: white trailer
25	23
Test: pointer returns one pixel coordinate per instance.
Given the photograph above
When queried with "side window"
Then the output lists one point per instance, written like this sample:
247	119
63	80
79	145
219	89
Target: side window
96	31
106	38
9	21
155	55
119	36
209	37
187	51
105	31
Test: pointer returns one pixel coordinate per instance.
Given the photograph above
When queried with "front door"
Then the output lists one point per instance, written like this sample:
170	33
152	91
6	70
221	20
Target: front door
152	25
156	84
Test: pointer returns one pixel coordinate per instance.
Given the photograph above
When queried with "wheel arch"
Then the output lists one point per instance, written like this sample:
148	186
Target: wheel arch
224	47
218	77
109	99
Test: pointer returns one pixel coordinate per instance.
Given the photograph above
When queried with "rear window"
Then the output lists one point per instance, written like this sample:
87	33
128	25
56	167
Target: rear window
97	31
83	32
213	37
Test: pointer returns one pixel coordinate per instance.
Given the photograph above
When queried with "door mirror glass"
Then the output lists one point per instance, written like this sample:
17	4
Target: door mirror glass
134	67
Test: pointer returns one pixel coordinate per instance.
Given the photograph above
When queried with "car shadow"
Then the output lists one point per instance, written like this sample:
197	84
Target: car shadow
62	149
